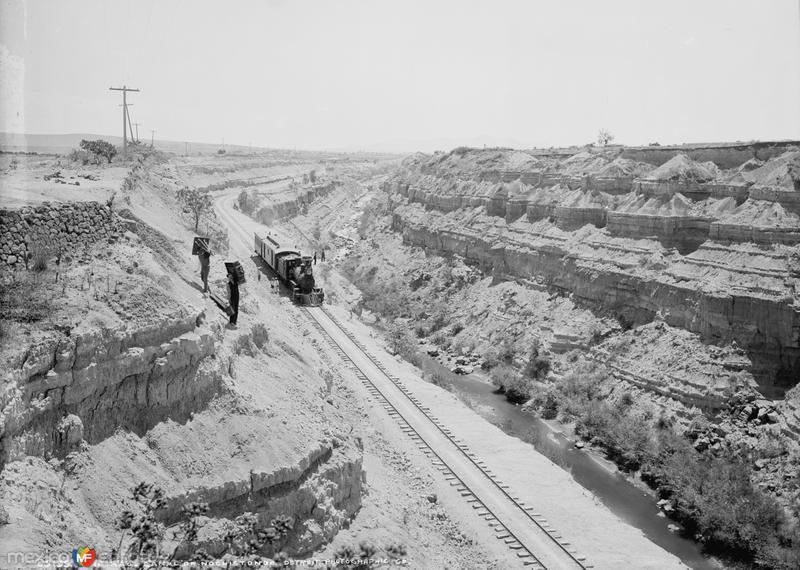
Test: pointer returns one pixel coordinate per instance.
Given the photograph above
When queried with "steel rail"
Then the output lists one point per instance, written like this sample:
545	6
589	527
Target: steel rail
503	532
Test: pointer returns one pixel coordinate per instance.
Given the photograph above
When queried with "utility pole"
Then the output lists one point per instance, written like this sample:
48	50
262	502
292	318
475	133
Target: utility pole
137	130
130	123
125	109
152	135
124	90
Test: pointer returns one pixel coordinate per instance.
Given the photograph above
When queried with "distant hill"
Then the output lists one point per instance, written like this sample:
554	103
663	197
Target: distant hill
62	144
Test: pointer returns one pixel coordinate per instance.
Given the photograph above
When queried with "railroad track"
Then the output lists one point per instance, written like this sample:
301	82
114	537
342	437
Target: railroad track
519	526
523	530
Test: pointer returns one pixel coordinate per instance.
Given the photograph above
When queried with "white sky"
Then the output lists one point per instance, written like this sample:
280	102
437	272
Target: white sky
405	74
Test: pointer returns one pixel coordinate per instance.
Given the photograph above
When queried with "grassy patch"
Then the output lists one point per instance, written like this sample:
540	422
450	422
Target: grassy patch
24	300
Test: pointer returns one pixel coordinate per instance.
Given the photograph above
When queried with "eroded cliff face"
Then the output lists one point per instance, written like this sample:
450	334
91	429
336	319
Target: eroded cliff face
709	251
103	408
321	493
104	379
286	208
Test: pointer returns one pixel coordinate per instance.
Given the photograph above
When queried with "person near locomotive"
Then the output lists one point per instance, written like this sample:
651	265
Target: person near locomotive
233	288
205	268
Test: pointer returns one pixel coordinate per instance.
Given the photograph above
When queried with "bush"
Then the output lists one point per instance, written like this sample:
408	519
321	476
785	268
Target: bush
81	156
39	255
594	422
547	403
516	388
506	353
583	381
501	356
439	378
248	202
538	365
714	498
99	148
626	400
260	335
399	340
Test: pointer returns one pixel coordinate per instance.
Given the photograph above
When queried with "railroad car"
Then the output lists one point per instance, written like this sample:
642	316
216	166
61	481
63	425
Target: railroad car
291	267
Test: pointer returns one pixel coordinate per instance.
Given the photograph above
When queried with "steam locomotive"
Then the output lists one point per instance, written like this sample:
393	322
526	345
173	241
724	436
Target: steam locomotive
293	268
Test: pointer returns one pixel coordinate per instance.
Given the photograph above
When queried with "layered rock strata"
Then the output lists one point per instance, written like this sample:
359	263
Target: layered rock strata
293	206
101	380
715	258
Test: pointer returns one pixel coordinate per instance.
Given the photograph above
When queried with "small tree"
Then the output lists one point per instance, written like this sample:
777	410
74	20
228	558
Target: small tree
248	202
198	202
538	364
99	148
399	340
146	530
604	137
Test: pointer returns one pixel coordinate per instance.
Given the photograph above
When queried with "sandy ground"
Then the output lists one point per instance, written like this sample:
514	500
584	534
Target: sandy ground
25	185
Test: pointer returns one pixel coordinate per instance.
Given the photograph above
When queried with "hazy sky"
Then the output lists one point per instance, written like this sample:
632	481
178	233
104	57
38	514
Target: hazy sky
405	74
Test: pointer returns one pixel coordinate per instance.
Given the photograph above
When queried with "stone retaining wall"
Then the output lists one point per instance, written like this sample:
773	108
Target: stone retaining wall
71	226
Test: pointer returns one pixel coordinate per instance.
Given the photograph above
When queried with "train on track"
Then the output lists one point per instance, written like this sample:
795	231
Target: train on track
291	267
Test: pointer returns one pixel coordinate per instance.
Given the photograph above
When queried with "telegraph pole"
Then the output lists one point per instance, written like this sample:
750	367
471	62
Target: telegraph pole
152	134
124	90
137	130
130	123
126	111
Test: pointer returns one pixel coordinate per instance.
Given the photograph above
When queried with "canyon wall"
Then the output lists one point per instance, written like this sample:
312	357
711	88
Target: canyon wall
710	251
287	208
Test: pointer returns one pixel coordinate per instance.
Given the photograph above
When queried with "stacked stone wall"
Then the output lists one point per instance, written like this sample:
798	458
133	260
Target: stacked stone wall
69	227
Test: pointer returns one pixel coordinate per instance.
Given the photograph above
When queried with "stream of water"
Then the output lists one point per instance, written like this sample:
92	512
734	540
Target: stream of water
632	504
